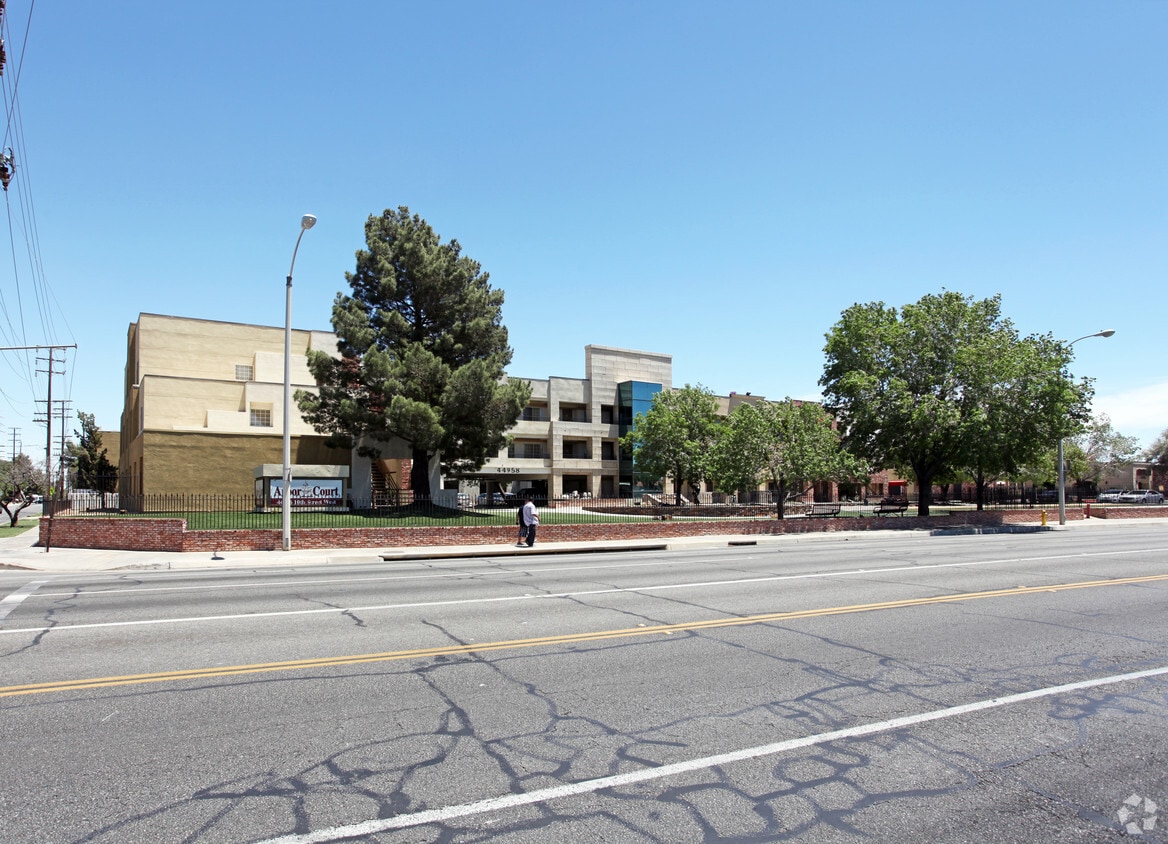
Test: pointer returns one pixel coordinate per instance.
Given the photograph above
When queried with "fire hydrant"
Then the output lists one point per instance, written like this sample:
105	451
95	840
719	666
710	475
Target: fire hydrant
1044	518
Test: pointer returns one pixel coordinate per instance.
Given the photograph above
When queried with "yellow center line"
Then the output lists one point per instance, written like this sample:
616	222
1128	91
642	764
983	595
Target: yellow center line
570	638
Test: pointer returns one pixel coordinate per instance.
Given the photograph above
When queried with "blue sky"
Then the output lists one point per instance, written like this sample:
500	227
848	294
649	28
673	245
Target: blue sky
714	181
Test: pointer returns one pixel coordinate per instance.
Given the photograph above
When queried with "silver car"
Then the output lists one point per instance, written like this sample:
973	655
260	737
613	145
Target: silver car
1109	496
1141	496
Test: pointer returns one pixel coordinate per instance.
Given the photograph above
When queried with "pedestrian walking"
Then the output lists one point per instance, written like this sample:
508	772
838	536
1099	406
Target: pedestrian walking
521	540
529	519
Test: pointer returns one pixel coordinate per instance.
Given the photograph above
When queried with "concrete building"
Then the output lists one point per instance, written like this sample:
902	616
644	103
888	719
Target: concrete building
203	416
567	441
204	403
1137	475
203	413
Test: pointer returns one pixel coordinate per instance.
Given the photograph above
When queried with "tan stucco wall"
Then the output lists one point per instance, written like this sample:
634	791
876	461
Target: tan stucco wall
185	462
111	441
204	349
186	419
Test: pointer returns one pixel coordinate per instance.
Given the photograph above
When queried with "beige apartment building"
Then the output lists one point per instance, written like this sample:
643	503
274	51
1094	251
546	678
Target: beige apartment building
203	414
567	441
204	405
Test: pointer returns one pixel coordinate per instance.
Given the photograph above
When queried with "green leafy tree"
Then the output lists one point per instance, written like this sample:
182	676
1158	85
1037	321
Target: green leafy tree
1157	452
20	480
1010	403
1098	451
789	444
92	466
1090	456
674	438
423	352
934	388
1157	455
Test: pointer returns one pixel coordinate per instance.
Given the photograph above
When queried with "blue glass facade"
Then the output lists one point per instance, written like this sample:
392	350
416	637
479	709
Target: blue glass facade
633	398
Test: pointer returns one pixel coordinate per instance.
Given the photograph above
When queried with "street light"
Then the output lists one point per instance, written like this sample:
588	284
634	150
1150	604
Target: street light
306	222
1062	469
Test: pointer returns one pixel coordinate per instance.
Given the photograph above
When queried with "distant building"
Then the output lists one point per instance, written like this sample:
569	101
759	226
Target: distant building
203	414
203	410
567	441
204	405
1139	474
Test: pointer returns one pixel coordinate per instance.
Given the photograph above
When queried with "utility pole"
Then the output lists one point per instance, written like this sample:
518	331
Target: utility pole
15	447
48	411
49	402
49	414
63	413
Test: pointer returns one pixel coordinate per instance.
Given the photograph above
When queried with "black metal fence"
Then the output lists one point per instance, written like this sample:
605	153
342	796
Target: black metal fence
403	509
232	512
1022	496
225	512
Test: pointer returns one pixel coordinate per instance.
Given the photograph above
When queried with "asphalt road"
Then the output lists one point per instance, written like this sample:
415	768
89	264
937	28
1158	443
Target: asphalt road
890	688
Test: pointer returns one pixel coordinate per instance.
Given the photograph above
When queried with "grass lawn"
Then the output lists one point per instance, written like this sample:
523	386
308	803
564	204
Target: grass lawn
400	517
423	516
21	527
426	516
407	517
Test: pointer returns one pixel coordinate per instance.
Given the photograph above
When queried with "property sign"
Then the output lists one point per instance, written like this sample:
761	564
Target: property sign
313	492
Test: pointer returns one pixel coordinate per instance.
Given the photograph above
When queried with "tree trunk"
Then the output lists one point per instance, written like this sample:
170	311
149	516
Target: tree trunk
420	474
925	484
14	512
782	505
979	483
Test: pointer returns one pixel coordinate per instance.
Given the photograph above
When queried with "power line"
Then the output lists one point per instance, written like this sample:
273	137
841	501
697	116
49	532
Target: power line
49	401
15	323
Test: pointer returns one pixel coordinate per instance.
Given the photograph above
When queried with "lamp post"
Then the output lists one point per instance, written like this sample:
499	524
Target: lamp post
306	222
1062	469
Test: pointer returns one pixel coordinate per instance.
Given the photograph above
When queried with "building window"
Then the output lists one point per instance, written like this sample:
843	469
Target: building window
261	417
608	450
575	450
244	373
573	413
525	450
607	415
535	413
575	485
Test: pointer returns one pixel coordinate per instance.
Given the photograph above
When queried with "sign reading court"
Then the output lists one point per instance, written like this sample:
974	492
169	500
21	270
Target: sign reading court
308	493
316	487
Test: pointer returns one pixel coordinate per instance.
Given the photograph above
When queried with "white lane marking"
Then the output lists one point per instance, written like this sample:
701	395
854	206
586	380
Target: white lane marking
391	578
510	801
97	593
544	597
10	602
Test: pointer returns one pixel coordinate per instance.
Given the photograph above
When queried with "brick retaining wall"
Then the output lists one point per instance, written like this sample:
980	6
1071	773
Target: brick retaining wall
171	534
1103	511
114	534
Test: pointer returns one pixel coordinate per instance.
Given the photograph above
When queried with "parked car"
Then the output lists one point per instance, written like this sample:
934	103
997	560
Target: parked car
1141	496
1109	496
495	499
1048	495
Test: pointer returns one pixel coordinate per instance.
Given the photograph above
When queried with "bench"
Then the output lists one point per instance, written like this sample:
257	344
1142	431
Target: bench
822	510
887	508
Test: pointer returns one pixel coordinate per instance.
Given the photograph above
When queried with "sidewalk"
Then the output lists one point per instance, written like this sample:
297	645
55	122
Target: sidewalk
20	552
